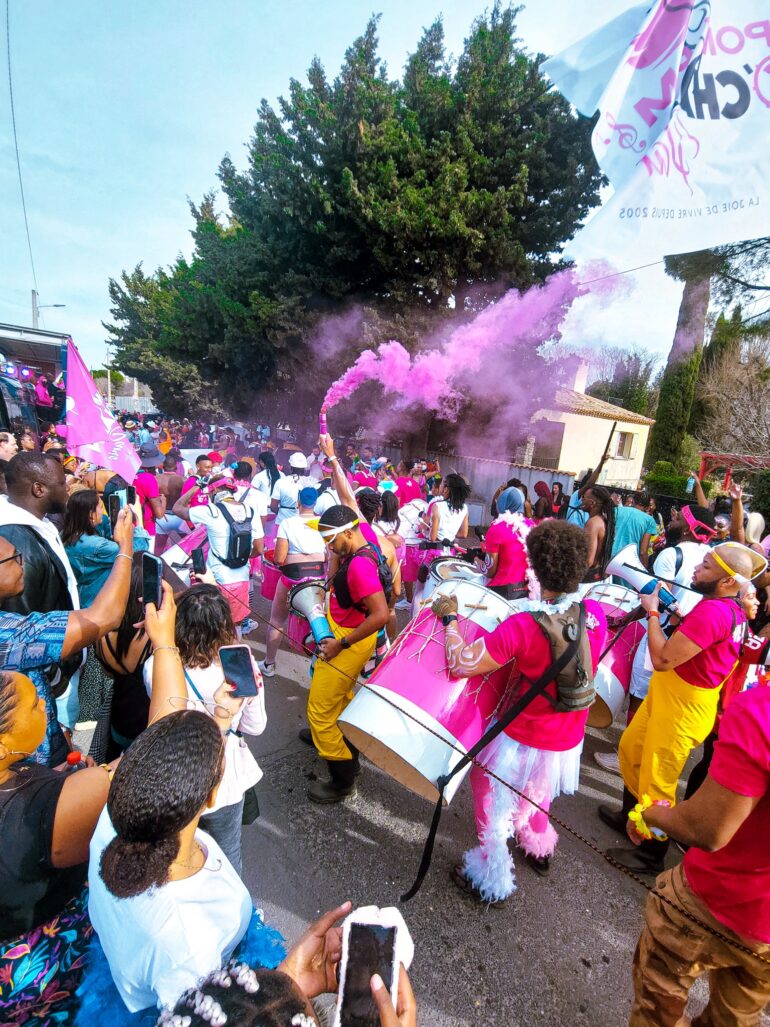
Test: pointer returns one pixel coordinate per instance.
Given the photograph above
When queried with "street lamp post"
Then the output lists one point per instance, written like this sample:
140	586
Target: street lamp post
37	307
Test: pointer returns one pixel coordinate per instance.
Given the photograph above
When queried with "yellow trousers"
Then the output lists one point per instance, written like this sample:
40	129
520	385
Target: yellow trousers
331	689
674	719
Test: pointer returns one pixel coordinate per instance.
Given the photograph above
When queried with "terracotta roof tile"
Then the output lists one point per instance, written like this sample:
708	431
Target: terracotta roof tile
589	406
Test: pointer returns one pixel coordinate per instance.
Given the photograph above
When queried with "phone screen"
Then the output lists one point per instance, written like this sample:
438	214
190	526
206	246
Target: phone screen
371	950
113	502
131	495
198	561
238	669
152	576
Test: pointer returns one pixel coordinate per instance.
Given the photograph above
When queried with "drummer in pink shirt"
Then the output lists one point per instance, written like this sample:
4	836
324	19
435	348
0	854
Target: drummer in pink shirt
724	883
539	752
508	568
408	488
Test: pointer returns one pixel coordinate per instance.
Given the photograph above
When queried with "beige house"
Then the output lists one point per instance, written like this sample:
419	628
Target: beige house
573	436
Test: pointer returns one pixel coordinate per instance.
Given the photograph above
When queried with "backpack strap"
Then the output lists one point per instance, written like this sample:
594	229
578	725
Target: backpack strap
535	689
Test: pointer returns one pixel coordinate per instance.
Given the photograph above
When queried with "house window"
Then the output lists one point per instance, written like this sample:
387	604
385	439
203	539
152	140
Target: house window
625	445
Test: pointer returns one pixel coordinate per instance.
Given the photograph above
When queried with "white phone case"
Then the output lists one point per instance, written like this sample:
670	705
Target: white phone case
403	948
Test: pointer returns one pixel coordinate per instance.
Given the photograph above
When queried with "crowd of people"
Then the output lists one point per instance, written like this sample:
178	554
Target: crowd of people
123	891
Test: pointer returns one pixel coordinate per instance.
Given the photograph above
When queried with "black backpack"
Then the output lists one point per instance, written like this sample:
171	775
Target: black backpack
341	589
239	542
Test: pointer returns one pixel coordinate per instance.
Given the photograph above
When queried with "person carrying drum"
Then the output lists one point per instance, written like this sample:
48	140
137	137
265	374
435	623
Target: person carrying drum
538	753
358	609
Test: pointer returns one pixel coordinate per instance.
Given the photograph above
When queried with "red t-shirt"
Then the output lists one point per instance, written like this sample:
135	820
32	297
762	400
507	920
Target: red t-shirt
146	489
717	625
363	581
735	881
502	538
408	489
520	638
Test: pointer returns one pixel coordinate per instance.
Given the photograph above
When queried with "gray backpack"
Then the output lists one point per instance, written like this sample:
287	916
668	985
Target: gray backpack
575	681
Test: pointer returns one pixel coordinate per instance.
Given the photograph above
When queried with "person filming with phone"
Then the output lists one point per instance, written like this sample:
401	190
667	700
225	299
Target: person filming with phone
204	632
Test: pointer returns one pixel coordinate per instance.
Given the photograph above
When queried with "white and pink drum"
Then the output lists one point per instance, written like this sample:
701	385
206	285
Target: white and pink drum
412	719
613	675
271	575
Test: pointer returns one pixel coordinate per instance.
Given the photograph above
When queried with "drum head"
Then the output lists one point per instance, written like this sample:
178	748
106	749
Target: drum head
449	568
476	603
614	598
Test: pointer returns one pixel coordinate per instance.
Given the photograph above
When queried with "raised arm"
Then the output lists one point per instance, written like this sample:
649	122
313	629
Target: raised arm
106	611
700	495
737	531
340	482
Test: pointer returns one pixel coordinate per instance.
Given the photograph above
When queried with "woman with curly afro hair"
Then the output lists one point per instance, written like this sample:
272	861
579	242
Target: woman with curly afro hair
538	753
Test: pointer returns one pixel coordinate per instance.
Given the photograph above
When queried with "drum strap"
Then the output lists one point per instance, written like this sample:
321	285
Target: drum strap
535	689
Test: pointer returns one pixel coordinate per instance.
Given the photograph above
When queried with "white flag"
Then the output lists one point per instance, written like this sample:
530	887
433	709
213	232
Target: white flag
683	93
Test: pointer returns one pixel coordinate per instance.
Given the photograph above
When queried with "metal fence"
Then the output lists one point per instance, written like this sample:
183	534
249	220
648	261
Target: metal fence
486	476
135	404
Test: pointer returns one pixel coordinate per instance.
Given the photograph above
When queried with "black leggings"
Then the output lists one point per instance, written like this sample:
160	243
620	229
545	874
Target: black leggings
700	771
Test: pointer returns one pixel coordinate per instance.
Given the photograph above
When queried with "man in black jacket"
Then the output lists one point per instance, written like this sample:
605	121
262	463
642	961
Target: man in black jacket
37	488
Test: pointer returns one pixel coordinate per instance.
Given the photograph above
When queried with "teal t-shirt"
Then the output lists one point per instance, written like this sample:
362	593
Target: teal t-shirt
631	525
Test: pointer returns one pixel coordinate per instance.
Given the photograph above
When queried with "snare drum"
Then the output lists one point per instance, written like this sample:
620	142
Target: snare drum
412	719
449	568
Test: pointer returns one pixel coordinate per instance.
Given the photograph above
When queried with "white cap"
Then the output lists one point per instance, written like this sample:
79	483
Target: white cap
299	461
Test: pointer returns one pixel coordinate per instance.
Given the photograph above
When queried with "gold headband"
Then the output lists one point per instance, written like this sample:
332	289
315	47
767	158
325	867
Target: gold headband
759	563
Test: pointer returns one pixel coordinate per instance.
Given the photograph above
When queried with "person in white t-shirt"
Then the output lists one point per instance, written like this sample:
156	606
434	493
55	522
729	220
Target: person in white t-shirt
232	581
166	905
286	489
449	516
204	624
268	474
300	553
327	498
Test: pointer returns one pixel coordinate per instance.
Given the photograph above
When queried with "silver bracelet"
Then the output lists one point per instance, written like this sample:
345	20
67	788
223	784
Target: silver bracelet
125	557
172	648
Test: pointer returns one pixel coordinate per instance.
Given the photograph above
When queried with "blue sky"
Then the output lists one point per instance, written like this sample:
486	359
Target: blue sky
125	110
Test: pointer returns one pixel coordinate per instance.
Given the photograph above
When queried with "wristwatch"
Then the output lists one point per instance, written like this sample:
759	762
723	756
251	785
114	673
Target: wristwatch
447	619
344	644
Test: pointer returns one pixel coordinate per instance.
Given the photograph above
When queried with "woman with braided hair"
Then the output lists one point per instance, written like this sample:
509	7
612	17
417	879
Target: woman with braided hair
600	529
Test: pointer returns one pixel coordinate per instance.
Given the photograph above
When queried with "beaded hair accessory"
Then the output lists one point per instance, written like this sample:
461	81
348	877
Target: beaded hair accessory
207	1008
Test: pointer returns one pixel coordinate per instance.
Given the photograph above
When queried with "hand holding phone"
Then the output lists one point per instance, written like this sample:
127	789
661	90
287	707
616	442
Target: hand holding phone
152	579
375	943
238	670
198	561
113	509
405	1012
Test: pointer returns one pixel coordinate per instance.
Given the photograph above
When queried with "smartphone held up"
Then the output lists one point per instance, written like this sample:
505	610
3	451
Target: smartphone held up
239	670
374	941
152	579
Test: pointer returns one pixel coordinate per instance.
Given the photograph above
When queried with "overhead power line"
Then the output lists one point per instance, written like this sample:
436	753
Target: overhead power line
16	138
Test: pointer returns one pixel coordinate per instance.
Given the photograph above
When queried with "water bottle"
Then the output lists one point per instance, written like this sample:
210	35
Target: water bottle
690	484
75	761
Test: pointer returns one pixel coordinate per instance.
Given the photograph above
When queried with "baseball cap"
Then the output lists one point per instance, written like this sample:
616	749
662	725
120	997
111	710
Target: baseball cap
298	461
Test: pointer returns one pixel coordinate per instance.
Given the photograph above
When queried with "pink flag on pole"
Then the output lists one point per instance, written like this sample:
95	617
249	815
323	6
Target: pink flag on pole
93	434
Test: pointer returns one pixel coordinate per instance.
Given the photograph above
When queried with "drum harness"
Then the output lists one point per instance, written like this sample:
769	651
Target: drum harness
471	757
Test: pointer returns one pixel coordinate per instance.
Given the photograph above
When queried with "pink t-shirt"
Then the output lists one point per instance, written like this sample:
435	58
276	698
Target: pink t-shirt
520	638
200	498
364	480
717	625
146	489
734	882
408	489
363	581
503	539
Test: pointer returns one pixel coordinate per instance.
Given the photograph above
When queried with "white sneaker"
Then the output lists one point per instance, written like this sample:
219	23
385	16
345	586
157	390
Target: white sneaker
608	761
266	669
403	604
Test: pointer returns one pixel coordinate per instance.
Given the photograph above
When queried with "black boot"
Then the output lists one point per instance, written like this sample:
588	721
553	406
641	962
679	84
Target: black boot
646	858
341	786
305	736
618	818
356	758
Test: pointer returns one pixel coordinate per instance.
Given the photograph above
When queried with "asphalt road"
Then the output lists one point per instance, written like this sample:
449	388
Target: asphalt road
559	952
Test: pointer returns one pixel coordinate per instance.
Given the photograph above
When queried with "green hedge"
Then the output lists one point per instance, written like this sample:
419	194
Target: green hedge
663	480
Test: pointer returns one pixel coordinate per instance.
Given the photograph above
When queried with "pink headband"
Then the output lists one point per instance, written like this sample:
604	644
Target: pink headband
700	530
